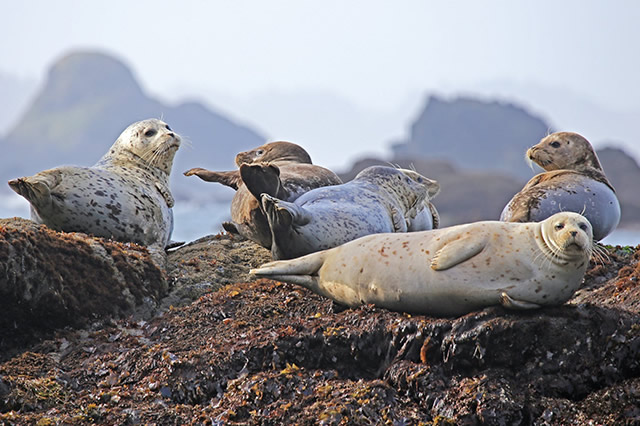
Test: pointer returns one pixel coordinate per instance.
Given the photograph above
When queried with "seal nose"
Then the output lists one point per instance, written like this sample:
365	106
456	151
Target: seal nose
574	233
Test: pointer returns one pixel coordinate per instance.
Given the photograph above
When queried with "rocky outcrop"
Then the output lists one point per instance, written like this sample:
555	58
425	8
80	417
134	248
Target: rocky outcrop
264	352
50	280
474	134
88	98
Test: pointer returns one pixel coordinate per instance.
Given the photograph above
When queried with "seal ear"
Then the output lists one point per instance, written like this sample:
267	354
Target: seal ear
262	179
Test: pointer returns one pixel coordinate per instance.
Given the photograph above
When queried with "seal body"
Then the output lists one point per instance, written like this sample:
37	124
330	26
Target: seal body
573	181
280	169
125	196
451	271
379	199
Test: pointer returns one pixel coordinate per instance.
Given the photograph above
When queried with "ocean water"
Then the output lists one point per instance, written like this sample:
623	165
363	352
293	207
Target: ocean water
193	221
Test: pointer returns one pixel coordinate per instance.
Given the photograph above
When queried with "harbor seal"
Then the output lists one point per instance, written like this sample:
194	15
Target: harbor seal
124	196
451	271
378	199
280	169
573	181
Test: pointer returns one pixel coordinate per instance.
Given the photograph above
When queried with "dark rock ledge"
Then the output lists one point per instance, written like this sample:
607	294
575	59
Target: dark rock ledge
264	352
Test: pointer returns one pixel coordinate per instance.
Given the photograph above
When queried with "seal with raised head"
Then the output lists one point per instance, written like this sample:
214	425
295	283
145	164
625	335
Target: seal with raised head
379	199
125	196
451	271
280	169
573	181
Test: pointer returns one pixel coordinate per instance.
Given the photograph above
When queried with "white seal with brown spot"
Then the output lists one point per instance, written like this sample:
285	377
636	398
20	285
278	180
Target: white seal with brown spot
573	181
280	169
379	199
125	196
451	271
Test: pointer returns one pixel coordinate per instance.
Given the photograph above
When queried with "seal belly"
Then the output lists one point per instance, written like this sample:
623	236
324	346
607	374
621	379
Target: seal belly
593	199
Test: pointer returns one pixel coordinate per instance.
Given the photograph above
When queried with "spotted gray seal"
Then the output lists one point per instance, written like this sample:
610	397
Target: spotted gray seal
378	199
280	169
124	196
451	271
573	181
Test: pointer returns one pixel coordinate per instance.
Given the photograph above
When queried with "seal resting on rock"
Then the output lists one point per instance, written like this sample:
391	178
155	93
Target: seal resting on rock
451	271
125	196
573	181
280	169
379	199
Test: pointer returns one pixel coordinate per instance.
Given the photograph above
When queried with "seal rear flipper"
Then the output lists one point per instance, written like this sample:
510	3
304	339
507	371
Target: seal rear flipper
36	189
458	251
231	179
263	179
282	213
302	271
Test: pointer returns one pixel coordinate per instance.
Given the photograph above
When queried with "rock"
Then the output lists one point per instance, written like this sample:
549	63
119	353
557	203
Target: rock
49	280
264	352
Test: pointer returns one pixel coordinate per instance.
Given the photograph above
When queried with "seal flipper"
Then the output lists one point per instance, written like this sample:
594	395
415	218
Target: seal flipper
399	221
231	179
283	218
263	179
37	189
302	271
282	213
458	251
514	304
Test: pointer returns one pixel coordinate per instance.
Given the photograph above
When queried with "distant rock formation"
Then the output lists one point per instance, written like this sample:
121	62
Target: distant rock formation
89	98
475	135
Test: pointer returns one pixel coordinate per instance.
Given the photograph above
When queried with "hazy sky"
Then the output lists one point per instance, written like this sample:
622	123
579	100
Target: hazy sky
375	54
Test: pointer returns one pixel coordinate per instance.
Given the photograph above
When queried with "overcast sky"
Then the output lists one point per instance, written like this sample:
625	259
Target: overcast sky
375	54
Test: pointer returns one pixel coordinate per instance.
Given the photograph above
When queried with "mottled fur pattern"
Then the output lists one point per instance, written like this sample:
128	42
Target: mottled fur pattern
378	199
125	196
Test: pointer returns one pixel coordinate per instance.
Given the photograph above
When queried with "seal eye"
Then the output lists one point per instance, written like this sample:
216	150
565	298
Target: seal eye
555	144
583	226
259	152
559	226
169	128
419	179
150	132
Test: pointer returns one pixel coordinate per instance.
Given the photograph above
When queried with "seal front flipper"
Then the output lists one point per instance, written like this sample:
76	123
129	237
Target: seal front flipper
399	221
514	304
262	179
231	179
458	251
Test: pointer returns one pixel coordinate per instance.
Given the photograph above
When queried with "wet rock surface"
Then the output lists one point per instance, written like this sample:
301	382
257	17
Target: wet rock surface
49	280
264	352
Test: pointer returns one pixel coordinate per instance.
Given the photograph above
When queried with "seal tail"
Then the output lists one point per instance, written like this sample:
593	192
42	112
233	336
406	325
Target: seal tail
302	271
231	179
262	179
